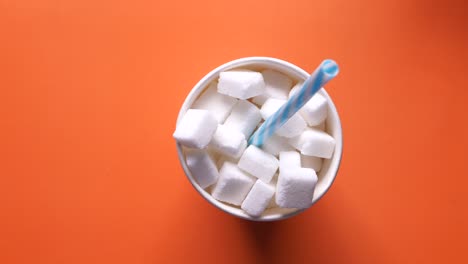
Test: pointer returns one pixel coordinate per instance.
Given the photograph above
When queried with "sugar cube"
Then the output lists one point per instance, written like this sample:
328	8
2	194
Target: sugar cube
241	84
259	163
274	144
293	127
258	198
313	142
244	117
228	142
219	105
295	188
277	85
220	161
270	106
202	167
315	110
233	184
289	160
314	163
196	128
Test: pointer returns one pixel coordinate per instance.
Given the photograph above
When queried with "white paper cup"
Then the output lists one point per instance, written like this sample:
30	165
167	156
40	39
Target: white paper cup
330	167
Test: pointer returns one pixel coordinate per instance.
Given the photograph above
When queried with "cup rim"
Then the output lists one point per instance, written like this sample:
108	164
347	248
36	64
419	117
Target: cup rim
199	87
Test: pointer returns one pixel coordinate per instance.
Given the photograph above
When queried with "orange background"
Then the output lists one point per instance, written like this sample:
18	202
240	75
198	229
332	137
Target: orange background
90	91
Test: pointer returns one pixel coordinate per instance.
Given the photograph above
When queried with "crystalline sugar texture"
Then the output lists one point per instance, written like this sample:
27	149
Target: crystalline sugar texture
295	188
277	85
313	142
228	142
241	84
233	184
202	167
244	118
219	105
196	128
289	160
259	163
258	198
314	163
222	159
275	144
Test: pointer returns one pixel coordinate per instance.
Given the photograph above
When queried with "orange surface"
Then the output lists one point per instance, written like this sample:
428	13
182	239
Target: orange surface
90	91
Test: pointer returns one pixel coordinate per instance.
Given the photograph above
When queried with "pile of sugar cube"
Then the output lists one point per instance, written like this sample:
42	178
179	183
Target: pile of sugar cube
283	171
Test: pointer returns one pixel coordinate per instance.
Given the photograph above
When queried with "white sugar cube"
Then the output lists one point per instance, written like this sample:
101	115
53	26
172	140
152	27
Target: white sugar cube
241	84
258	198
270	107
292	128
275	144
315	110
219	105
289	160
295	188
277	85
196	128
233	184
244	118
259	163
313	142
228	142
220	161
314	163
202	167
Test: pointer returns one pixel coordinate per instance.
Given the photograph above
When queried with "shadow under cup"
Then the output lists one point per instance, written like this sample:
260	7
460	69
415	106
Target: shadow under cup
330	167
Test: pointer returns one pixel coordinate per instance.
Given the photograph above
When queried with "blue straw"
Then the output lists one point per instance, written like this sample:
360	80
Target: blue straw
326	71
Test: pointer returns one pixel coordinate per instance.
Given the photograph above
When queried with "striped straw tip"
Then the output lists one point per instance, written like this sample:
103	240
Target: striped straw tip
330	67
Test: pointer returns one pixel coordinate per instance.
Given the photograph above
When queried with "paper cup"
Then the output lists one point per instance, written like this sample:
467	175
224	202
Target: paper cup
330	167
